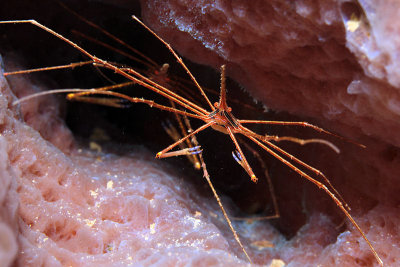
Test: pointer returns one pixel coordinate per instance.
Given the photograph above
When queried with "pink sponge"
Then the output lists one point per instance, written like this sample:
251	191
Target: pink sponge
82	208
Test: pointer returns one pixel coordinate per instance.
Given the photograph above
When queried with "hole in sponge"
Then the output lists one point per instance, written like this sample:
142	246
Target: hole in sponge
50	195
352	11
60	230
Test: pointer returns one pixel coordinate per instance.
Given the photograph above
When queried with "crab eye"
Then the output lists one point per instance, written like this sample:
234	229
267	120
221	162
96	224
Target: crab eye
216	104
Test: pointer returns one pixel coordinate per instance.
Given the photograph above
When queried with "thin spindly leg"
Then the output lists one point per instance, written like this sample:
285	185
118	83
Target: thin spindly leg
110	35
163	153
270	186
151	103
138	78
159	89
246	165
180	61
207	177
67	66
266	139
301	123
190	151
146	60
193	139
105	101
276	138
323	187
193	157
303	141
297	123
314	170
